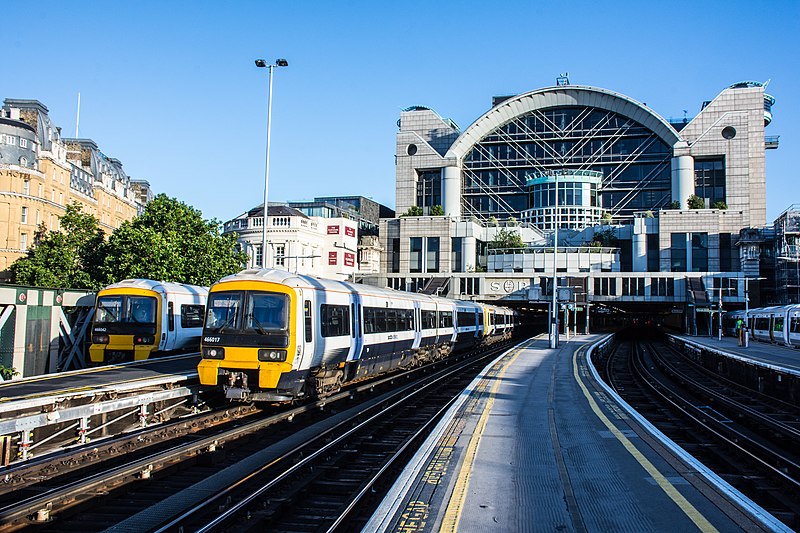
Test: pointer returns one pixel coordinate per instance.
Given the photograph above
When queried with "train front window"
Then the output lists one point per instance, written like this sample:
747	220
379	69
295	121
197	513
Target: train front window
223	310
266	312
140	309
109	309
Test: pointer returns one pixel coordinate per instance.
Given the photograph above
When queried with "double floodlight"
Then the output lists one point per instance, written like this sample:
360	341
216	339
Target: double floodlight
261	63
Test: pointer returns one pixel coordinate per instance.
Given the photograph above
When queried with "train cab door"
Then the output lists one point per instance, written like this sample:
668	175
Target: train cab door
356	333
306	340
168	332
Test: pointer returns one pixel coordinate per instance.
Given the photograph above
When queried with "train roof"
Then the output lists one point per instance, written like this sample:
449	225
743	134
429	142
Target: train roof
302	281
158	286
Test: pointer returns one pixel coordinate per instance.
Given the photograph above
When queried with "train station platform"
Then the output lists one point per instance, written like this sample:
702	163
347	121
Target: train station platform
33	408
757	352
538	443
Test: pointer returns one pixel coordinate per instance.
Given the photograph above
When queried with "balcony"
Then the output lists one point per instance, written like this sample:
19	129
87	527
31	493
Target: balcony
771	142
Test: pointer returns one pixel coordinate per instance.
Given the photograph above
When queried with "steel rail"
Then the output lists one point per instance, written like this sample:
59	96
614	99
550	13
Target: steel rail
236	508
689	410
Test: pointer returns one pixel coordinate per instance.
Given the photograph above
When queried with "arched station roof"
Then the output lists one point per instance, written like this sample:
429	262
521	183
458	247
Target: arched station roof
561	96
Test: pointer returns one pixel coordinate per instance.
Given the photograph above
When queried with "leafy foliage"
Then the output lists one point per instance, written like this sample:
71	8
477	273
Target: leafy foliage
171	241
437	211
674	205
695	202
68	258
720	204
413	211
506	238
604	239
7	373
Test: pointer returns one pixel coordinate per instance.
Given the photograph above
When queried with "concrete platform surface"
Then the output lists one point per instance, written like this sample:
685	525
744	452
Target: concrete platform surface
536	443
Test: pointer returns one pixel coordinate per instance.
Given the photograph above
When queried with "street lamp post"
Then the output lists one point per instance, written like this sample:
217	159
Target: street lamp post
260	63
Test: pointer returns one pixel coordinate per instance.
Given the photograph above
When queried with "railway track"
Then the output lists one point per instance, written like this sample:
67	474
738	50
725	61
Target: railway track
323	462
749	439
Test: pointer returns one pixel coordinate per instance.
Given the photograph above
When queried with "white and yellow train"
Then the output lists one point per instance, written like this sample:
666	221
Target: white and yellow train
137	318
271	335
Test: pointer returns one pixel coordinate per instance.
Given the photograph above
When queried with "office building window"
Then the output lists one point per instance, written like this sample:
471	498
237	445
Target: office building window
415	255
662	287
456	261
429	188
394	255
726	261
653	260
280	255
677	252
432	263
699	252
709	179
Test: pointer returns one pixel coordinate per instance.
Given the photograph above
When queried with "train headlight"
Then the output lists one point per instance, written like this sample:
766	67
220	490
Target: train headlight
213	352
99	339
144	339
272	356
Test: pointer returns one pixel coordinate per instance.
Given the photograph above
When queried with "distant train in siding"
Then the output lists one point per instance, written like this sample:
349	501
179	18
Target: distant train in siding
778	324
271	335
138	318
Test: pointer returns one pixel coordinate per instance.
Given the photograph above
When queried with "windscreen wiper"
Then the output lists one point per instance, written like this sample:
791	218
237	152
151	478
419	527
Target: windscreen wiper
259	326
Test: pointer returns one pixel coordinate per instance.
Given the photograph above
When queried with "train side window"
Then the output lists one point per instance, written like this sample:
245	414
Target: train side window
308	321
192	316
171	316
446	319
795	324
778	324
335	320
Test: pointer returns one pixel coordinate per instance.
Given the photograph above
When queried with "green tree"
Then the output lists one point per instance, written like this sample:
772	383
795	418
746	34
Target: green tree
413	211
720	204
437	211
695	202
506	238
674	205
171	241
70	258
604	239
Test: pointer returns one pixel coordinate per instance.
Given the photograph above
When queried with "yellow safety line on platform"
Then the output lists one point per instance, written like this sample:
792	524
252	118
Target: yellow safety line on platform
453	513
688	509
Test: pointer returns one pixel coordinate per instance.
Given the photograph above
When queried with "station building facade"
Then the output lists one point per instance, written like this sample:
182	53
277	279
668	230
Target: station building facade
332	236
41	173
608	171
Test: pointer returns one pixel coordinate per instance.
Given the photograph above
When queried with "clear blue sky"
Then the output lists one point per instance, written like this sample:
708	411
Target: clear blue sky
170	88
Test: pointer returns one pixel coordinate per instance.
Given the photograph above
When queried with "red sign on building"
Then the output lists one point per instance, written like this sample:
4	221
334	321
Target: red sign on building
349	232
349	259
333	230
332	258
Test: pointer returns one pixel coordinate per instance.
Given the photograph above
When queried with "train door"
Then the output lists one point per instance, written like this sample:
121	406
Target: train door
306	341
417	325
168	333
778	334
793	328
356	333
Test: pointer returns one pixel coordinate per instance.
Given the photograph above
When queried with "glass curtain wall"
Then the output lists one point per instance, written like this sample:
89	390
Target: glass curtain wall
631	157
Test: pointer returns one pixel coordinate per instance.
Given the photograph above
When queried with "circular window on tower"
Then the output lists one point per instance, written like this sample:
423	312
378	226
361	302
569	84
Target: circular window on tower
412	149
729	132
